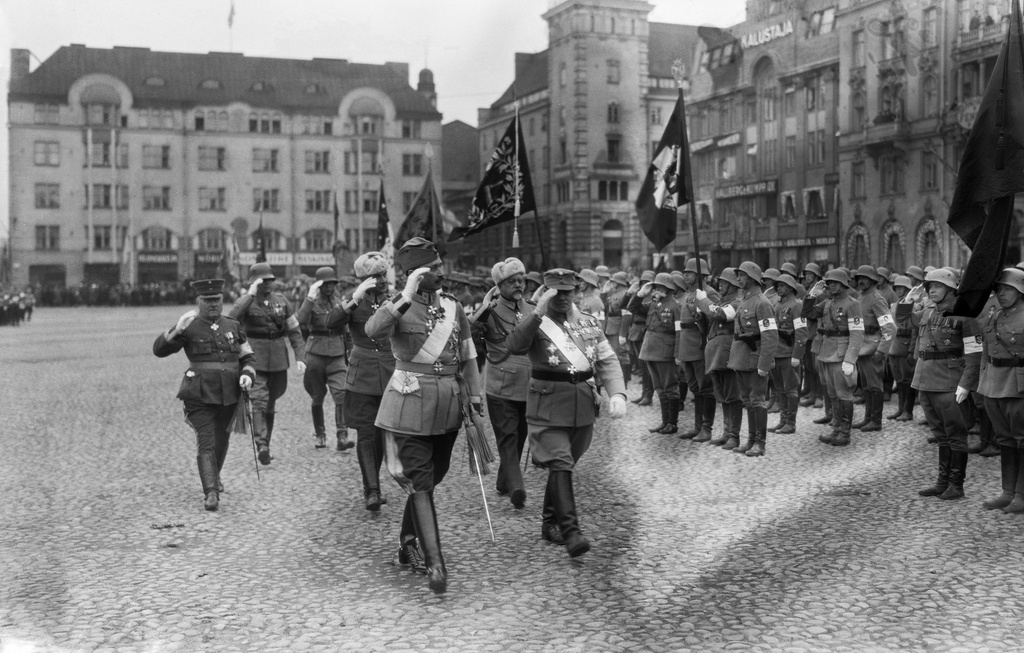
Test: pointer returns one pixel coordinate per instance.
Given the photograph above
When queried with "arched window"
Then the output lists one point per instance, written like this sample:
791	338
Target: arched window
211	240
930	249
894	253
318	240
274	241
156	238
611	235
930	96
859	251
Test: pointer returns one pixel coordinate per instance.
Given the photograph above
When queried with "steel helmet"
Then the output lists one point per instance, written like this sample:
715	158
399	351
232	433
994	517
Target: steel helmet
1013	278
789	281
883	273
914	272
589	276
772	274
729	276
867	271
929	268
261	271
678	279
945	277
691	266
838	275
789	268
647	275
665	279
751	269
326	274
813	268
903	281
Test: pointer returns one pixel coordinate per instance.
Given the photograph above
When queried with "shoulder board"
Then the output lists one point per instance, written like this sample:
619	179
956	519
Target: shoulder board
449	296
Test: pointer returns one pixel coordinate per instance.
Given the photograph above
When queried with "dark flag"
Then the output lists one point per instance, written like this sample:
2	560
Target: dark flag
383	220
991	172
661	194
261	256
424	218
337	216
495	200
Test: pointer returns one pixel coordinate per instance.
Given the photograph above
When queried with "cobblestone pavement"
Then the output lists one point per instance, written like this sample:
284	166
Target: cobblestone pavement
104	544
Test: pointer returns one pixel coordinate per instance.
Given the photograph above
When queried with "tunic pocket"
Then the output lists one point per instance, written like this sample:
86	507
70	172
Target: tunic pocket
191	388
1019	373
540	400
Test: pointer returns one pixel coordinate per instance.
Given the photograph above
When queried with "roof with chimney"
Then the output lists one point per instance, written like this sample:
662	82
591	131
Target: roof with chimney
219	78
531	76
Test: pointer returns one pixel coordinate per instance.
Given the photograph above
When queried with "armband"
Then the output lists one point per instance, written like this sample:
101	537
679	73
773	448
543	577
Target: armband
972	345
768	324
855	324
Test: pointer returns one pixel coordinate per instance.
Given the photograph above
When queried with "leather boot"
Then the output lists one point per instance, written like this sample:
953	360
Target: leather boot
207	464
261	435
866	395
319	432
674	408
1008	463
760	432
789	416
751	426
701	419
368	451
1017	505
734	410
342	430
986	436
565	512
827	438
698	404
957	474
877	406
646	398
663	401
901	402
845	416
783	413
723	437
425	519
409	556
908	411
827	417
549	529
942	483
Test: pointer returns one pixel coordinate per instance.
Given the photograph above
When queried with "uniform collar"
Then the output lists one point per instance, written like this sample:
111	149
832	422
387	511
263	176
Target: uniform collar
424	298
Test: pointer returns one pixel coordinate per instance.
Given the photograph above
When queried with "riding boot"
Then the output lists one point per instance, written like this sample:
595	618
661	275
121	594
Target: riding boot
723	437
901	401
873	411
207	464
425	519
789	408
783	414
663	402
704	418
1017	505
986	435
319	431
942	483
957	474
341	429
751	429
866	396
261	434
409	556
827	417
1008	475
549	529
672	413
698	405
565	512
760	431
908	412
844	409
734	412
367	448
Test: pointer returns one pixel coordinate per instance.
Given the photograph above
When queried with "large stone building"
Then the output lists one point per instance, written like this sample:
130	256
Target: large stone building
138	166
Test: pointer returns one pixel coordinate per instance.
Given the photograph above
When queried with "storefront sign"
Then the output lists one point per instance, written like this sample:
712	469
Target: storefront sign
274	258
767	34
748	190
697	146
726	141
158	257
209	257
796	242
314	258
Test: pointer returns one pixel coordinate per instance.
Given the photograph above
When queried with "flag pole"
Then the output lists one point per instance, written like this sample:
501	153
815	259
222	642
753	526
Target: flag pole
684	151
515	168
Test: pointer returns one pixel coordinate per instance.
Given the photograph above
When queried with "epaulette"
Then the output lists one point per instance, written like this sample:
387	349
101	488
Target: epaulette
448	295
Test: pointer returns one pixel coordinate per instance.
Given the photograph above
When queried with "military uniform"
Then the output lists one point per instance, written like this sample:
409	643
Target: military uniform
901	362
841	329
690	356
326	366
614	307
879	330
634	341
721	328
755	340
792	336
591	304
658	352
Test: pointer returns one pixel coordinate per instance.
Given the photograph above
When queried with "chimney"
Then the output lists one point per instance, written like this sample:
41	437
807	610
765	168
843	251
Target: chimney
19	63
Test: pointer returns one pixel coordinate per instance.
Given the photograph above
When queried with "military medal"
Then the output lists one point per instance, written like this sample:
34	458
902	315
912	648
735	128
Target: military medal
214	326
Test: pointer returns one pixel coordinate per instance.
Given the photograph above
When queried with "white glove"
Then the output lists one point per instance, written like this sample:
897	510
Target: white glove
537	294
255	286
794	363
544	301
368	284
491	296
763	373
617	407
849	368
244	382
817	289
412	283
302	366
622	341
314	288
184	321
961	394
700	294
645	289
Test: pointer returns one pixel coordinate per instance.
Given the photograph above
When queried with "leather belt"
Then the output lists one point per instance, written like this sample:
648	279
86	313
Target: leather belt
871	329
231	366
835	333
434	369
939	355
563	377
328	333
687	325
1006	362
904	333
264	336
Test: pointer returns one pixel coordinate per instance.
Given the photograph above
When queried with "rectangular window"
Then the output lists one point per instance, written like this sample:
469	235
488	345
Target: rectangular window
47	114
614	74
318	161
725	116
318	201
99	196
858	48
200	122
750	110
265	199
811	91
857	186
156	198
789	102
929	170
264	160
212	158
412	165
614	153
100	237
812	148
790	152
47	237
411	128
212	199
771	155
156	156
47	153
821	146
98	156
47	196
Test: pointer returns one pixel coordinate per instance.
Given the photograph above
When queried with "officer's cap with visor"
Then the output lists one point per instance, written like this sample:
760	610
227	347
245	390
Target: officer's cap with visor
209	288
416	253
560	279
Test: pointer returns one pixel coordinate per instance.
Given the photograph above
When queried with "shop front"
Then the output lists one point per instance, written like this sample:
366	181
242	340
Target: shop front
157	267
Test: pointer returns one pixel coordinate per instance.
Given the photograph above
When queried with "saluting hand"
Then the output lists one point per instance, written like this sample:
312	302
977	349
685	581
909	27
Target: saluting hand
184	321
314	288
412	283
645	289
545	300
364	288
255	286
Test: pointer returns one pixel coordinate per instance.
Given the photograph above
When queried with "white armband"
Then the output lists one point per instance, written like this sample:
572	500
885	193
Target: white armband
729	312
799	323
884	320
600	315
972	345
768	324
292	322
855	324
679	325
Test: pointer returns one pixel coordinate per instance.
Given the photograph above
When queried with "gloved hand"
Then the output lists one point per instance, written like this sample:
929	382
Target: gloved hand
622	341
545	301
961	394
301	365
794	363
817	289
412	283
255	286
762	373
314	289
849	368
700	294
184	321
244	382
537	294
617	407
633	287
368	284
491	296
645	289
477	403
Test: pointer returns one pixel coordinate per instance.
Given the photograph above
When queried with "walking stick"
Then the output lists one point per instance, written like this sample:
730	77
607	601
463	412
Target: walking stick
252	433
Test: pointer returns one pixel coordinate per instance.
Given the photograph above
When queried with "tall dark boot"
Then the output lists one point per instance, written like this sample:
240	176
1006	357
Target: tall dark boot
663	402
367	448
866	396
409	556
698	406
1017	505
207	464
734	411
986	435
424	517
751	429
319	431
876	403
942	483
261	434
789	408
549	529
901	401
1008	463
341	429
827	417
565	513
704	418
673	415
908	412
844	416
760	431
957	474
723	437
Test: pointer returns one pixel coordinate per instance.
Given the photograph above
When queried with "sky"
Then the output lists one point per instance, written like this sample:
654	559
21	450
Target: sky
468	44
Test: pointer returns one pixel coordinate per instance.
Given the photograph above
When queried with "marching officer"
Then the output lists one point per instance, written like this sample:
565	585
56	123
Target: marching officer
371	365
658	348
220	362
267	318
423	403
567	349
1002	384
721	316
879	330
792	335
900	360
841	327
752	354
948	351
506	375
689	353
322	316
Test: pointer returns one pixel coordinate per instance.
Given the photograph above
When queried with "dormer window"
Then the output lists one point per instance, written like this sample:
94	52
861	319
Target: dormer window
211	85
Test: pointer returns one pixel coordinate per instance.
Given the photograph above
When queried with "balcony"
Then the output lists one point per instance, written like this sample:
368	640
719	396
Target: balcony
818	229
888	131
788	230
983	35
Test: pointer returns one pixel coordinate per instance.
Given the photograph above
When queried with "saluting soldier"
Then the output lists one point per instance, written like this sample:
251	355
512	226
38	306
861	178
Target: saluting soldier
567	349
589	297
690	356
948	351
815	392
658	348
879	330
326	368
635	336
267	318
371	365
792	335
220	362
841	327
721	315
506	375
614	331
422	406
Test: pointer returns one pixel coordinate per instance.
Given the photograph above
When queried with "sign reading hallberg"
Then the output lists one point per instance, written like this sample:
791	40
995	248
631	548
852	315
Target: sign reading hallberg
314	258
748	190
274	258
767	34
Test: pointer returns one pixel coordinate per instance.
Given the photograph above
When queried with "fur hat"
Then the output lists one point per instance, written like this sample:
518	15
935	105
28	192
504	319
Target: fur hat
504	269
369	264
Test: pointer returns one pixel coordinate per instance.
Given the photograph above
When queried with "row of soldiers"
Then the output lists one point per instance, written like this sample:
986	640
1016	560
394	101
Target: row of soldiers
16	307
